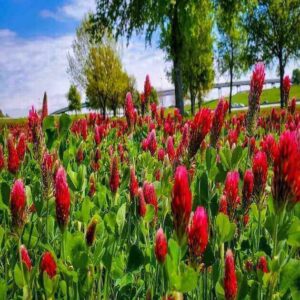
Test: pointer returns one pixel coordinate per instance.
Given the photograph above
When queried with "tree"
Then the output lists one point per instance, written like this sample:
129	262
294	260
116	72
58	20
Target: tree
2	114
198	73
94	61
296	76
148	96
132	85
124	17
197	51
107	82
102	61
231	38
45	107
119	90
134	93
153	97
205	83
136	98
74	98
274	32
78	60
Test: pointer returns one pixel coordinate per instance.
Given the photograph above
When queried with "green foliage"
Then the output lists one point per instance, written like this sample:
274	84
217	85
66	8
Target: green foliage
296	76
96	68
78	58
153	98
121	259
171	18
107	83
197	49
135	258
74	98
290	278
231	42
182	278
224	228
273	32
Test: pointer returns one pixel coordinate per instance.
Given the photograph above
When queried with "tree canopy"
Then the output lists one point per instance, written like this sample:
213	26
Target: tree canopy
231	39
296	76
107	82
74	98
78	58
273	32
244	32
198	57
167	17
95	66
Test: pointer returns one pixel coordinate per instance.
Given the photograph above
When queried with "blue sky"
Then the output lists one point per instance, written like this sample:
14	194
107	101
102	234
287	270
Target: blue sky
28	18
35	38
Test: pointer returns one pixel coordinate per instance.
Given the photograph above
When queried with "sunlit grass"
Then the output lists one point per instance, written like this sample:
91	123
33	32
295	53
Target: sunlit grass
268	96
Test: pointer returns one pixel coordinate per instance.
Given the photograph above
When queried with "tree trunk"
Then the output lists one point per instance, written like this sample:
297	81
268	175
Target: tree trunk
178	87
175	51
231	79
104	108
281	74
193	98
199	99
115	111
100	105
230	88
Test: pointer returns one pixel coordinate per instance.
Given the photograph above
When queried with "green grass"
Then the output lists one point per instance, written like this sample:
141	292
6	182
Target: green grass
23	120
268	95
12	121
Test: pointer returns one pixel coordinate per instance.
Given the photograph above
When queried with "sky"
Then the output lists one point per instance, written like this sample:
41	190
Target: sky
35	38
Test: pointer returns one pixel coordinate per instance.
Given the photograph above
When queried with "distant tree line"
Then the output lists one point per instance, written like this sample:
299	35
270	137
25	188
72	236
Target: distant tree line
197	36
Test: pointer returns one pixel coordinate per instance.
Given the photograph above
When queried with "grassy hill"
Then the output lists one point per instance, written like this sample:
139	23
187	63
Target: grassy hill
268	95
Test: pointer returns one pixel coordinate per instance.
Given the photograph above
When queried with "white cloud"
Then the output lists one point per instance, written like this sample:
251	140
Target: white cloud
140	61
28	67
45	13
77	8
74	9
6	34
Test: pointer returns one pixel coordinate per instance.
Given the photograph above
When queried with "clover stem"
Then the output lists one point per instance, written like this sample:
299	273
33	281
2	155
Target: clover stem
105	285
31	229
275	233
156	279
222	254
259	227
47	213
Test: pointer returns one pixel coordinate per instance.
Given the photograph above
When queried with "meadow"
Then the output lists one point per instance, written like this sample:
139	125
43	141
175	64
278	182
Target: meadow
153	206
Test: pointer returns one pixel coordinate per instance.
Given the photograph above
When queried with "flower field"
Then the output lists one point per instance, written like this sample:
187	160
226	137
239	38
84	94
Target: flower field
152	206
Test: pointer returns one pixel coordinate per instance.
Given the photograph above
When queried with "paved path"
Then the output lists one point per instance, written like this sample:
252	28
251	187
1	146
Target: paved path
276	104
